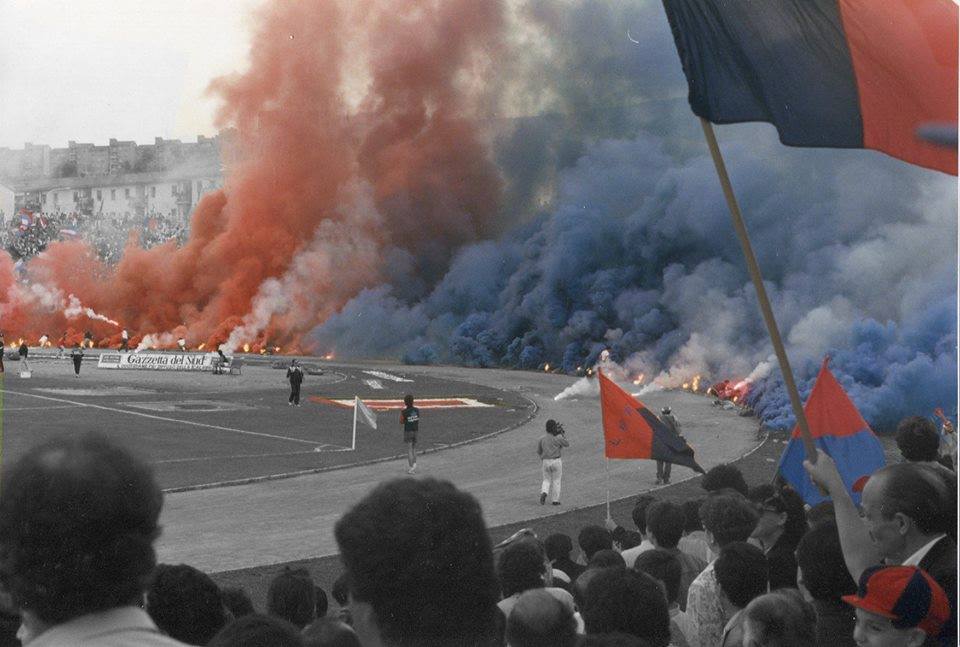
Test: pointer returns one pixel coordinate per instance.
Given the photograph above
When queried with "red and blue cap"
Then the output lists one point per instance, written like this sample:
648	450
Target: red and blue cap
906	595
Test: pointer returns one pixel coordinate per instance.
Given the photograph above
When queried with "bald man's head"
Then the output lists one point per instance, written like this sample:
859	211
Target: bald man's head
538	619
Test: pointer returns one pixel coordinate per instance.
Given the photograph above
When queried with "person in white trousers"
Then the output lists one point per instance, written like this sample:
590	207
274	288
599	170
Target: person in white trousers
551	466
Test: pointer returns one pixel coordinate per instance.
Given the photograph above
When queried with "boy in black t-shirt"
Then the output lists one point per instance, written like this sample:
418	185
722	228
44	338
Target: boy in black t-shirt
410	419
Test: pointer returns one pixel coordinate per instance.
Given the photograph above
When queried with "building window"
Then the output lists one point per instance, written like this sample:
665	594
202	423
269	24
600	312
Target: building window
153	192
126	193
113	194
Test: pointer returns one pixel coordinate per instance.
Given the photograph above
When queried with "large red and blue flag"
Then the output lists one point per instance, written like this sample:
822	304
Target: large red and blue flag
837	429
631	430
831	73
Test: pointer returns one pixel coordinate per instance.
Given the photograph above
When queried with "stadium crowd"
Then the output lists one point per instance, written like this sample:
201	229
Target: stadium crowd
739	565
28	235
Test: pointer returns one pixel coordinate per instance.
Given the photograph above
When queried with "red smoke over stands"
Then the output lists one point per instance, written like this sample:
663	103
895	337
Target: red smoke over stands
356	146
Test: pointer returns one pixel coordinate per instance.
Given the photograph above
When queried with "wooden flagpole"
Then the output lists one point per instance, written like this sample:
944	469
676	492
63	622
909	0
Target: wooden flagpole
754	269
353	442
606	468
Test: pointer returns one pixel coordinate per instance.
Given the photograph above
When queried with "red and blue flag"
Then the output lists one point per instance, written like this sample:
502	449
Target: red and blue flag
631	430
830	73
837	429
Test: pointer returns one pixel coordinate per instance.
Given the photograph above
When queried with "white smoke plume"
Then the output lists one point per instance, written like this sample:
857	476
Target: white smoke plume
75	309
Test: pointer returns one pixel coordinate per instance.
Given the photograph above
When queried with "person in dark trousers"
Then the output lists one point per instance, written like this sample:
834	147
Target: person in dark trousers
663	467
77	356
295	375
410	419
220	362
3	347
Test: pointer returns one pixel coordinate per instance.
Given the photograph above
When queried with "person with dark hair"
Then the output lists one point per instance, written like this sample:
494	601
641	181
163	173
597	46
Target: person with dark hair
592	539
293	596
694	540
410	420
76	355
606	558
782	619
295	377
538	619
899	606
341	595
78	518
919	442
323	604
639	516
558	547
258	631
782	523
671	423
551	465
665	521
628	539
185	603
664	567
329	632
237	601
822	512
726	518
741	572
907	513
621	599
724	476
825	580
411	545
523	566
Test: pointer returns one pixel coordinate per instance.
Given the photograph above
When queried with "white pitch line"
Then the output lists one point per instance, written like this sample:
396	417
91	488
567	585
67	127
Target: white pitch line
66	406
153	417
306	452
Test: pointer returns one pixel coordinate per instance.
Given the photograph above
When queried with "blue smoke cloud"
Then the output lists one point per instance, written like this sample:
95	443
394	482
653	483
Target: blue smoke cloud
623	241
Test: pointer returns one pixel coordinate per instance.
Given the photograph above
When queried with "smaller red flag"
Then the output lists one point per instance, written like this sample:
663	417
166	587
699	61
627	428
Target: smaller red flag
625	432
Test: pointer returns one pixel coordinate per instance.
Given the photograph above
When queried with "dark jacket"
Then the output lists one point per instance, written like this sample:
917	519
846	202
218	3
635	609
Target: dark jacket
835	622
295	375
941	563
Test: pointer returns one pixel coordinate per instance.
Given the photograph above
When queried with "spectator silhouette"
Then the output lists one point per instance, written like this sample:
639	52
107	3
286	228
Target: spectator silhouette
78	518
782	619
420	566
293	597
538	619
623	600
185	603
824	578
258	631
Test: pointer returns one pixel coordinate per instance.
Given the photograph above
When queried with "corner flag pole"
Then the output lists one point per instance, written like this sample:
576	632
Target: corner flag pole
353	442
754	269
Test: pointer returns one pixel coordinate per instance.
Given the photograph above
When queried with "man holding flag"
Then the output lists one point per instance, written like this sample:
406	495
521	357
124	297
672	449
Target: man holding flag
631	430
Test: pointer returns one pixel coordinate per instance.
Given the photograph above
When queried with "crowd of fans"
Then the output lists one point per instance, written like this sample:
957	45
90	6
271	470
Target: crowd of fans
739	565
107	233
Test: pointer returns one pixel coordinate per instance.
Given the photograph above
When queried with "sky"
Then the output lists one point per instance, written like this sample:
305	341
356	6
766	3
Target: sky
90	70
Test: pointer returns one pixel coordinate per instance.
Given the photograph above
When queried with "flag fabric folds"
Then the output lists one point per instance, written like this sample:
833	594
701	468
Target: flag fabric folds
839	430
832	73
631	430
365	413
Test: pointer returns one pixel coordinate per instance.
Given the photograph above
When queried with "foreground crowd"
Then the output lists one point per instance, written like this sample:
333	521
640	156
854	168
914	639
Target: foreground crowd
739	566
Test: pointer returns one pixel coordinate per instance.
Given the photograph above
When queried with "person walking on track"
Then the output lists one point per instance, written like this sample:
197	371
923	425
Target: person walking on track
77	356
410	419
551	466
295	375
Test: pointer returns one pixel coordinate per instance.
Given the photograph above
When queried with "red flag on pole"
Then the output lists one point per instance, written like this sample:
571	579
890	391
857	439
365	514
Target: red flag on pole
631	430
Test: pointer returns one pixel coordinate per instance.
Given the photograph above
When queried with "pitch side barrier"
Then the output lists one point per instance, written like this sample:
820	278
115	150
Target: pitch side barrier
162	361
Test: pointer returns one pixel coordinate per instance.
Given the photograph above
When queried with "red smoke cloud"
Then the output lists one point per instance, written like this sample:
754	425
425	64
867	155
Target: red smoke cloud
356	136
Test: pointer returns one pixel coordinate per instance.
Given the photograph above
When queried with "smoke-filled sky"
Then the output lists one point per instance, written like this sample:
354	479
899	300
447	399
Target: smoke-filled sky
514	183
